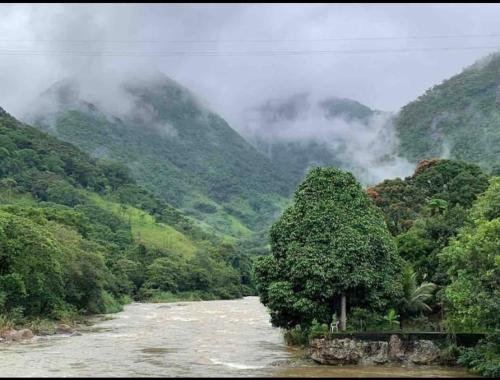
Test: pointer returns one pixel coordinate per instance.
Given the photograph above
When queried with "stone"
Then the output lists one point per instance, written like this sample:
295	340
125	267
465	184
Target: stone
396	349
17	335
336	351
351	351
424	352
375	352
64	329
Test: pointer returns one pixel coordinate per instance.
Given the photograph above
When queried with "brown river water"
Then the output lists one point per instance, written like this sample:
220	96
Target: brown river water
197	339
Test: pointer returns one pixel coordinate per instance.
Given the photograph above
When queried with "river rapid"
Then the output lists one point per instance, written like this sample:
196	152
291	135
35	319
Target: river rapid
207	338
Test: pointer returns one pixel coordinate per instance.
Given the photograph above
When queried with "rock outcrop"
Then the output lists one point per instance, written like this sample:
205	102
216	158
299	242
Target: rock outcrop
351	351
16	335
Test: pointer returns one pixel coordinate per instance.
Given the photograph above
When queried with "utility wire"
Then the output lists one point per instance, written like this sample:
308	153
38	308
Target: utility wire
231	53
367	38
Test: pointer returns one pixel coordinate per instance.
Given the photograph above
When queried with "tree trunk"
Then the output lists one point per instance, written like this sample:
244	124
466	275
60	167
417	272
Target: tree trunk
343	313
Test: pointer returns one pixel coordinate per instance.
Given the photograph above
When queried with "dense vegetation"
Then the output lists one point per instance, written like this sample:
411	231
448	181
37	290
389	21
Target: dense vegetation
472	261
458	118
457	183
176	148
78	235
439	270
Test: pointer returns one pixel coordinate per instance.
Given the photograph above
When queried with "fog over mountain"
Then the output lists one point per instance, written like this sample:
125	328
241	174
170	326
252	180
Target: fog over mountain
326	132
232	66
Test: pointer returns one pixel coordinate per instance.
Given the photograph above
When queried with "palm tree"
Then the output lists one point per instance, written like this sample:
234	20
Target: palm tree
414	298
437	206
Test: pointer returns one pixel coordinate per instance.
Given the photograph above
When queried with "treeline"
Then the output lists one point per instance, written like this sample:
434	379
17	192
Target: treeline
65	250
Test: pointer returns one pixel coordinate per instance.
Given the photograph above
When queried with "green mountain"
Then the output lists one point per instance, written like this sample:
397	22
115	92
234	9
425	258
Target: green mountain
459	118
175	147
78	235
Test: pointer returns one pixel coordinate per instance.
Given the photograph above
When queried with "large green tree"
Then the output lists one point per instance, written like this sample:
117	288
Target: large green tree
331	247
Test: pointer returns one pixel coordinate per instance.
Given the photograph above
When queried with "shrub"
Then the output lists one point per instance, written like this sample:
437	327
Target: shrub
318	330
484	358
297	336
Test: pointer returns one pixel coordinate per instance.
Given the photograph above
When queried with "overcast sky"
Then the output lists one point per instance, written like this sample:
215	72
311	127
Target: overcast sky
40	44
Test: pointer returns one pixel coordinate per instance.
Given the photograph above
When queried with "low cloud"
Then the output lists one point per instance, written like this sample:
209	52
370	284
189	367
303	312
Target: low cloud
366	146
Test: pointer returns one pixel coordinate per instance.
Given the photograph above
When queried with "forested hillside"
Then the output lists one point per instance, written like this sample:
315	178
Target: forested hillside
78	235
459	118
176	148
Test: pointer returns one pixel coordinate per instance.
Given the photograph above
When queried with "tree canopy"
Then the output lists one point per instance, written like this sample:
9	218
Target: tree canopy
331	241
473	262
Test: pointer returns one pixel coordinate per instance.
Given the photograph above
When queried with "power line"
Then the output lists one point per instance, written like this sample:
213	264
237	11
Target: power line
231	53
363	38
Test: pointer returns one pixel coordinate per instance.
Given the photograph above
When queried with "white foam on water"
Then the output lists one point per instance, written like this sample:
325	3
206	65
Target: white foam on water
182	319
235	365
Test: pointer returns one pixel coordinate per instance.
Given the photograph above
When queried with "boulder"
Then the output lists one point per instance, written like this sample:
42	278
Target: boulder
336	351
375	352
424	352
396	348
17	335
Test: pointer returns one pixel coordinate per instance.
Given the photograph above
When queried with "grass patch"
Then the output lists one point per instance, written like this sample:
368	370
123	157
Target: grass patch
146	230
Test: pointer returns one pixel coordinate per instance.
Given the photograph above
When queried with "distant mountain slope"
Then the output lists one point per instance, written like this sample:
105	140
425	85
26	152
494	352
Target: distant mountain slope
459	118
176	148
302	130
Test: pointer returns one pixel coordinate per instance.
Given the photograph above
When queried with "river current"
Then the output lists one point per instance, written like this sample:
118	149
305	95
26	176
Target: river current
208	338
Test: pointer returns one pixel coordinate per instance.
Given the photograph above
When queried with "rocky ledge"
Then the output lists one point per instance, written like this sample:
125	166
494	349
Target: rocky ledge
351	351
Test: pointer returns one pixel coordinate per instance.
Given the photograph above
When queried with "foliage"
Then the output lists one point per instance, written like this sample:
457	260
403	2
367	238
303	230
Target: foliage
414	297
391	318
361	319
435	185
318	330
331	241
449	354
484	359
297	336
428	235
473	262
